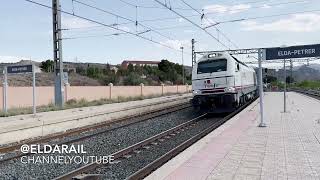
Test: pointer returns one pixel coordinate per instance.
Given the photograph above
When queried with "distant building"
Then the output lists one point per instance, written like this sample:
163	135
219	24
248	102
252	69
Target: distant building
70	68
125	63
114	68
270	72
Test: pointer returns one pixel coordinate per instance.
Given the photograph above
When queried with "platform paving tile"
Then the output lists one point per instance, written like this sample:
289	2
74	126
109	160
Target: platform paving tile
288	148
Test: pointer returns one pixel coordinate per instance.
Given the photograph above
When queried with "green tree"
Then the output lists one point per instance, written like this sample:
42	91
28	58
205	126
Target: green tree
107	70
178	68
82	71
130	68
165	66
110	78
94	72
138	69
47	66
269	79
122	71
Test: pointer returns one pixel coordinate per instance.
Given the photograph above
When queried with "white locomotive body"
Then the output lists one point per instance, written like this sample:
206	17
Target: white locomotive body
220	83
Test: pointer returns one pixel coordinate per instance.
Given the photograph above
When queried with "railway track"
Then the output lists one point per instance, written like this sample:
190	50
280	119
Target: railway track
154	140
311	93
97	144
87	132
199	125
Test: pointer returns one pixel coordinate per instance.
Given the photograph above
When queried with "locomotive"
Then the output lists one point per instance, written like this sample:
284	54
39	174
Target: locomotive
221	83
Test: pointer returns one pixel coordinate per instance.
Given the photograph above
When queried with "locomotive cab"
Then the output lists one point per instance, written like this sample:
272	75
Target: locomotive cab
220	83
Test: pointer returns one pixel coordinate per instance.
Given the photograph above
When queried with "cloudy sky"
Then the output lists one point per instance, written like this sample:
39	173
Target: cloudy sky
26	29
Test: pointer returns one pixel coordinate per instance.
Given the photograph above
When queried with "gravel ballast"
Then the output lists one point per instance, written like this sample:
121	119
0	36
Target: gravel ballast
101	145
129	166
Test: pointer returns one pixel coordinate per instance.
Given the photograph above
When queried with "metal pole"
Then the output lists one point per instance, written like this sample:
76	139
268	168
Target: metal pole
34	90
57	52
291	72
192	51
262	124
5	88
285	86
182	65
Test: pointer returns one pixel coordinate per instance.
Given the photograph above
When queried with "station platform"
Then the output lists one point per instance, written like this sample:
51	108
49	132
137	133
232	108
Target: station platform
288	148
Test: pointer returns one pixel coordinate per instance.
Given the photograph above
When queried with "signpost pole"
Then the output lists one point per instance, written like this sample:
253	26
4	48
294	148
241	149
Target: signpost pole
262	124
182	65
5	88
285	85
192	51
34	90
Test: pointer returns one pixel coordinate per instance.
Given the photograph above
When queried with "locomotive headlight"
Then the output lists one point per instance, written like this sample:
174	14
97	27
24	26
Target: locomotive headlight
230	90
196	92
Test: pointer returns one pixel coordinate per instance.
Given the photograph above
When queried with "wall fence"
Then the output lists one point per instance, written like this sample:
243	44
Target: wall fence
22	96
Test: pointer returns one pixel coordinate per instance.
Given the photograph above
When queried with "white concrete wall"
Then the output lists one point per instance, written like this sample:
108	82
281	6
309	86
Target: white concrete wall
22	96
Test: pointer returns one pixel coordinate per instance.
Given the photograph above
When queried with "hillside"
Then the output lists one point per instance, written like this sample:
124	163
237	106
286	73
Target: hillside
95	74
47	79
307	73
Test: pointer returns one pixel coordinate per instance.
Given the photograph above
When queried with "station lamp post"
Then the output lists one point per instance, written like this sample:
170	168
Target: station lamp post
285	83
262	123
182	65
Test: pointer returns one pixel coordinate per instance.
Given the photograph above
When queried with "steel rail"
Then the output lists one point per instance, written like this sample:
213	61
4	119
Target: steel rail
104	113
128	119
142	173
310	93
128	150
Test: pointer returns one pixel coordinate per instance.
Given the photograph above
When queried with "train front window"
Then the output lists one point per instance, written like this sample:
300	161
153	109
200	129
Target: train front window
211	66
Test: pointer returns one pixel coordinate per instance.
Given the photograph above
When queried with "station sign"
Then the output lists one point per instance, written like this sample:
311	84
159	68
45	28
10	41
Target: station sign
292	52
19	69
65	77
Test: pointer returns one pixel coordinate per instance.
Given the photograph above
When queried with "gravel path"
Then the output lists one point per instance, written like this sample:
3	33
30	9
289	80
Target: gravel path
101	145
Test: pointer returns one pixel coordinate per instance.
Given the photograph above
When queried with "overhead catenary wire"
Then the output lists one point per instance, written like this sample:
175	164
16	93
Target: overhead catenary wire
221	22
92	36
240	8
103	24
136	22
149	7
156	28
203	16
117	34
217	22
255	7
215	38
175	18
267	16
187	9
104	35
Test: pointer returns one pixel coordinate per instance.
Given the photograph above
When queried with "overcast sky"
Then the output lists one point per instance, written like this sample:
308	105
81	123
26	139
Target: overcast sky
26	29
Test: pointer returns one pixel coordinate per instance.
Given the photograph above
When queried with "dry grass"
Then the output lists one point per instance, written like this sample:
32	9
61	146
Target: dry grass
73	103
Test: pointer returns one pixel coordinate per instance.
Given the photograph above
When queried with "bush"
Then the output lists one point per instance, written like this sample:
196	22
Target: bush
133	79
309	84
